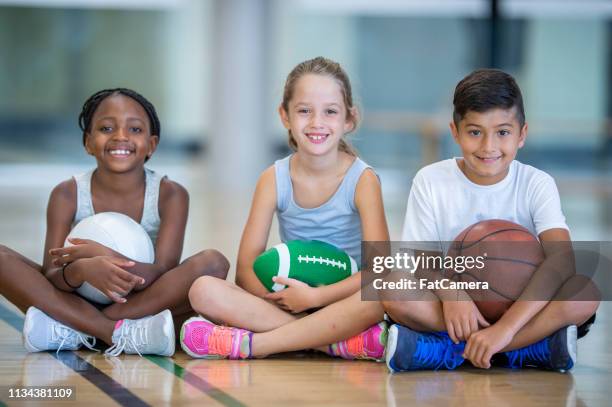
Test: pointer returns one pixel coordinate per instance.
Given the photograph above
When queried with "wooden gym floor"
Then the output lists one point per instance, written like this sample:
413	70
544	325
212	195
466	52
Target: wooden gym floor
286	380
296	379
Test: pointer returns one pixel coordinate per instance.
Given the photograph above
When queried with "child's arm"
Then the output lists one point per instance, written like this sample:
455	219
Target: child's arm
369	204
60	213
558	266
173	210
101	266
256	231
460	314
298	296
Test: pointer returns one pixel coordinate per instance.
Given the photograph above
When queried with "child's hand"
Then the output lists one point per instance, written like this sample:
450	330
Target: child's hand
297	297
483	344
106	273
462	319
82	249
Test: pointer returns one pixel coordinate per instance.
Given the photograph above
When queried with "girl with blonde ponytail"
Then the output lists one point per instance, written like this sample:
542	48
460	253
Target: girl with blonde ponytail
325	67
322	191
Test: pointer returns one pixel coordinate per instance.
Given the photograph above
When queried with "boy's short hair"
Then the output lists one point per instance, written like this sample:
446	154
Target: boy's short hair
486	89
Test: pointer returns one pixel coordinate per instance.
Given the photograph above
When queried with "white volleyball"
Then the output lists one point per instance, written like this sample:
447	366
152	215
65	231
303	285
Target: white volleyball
119	233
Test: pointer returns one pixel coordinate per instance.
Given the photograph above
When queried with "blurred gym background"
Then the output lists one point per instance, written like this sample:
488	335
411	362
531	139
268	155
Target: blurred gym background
215	70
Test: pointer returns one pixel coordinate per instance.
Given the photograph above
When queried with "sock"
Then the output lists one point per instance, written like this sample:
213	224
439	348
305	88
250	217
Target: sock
500	359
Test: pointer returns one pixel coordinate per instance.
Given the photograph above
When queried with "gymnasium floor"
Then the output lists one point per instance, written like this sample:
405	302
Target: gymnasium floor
298	379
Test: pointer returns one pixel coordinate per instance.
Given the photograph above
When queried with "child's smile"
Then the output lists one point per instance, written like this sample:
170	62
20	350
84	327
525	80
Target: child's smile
317	138
488	160
120	151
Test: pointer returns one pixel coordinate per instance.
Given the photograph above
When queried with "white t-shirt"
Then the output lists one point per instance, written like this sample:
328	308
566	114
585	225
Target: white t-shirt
443	202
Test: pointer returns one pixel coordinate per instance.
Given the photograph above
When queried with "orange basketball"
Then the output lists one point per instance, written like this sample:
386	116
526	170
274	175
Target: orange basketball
511	255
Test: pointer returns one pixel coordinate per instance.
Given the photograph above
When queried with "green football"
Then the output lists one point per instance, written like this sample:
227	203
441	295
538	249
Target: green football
313	262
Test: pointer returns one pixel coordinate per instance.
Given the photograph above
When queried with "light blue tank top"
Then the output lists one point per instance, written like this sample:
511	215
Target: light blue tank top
336	221
150	215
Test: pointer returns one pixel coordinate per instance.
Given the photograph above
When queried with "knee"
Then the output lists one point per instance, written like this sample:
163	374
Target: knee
591	303
4	252
588	309
209	262
578	312
580	299
394	309
5	255
583	310
417	315
204	292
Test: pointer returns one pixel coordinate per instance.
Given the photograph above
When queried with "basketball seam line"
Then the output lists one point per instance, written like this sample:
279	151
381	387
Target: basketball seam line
489	289
512	260
472	243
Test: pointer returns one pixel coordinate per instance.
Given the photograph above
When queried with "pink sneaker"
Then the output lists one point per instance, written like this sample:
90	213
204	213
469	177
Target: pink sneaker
201	338
369	345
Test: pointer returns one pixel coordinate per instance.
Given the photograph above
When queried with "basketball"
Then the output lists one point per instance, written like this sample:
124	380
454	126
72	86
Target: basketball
117	232
511	255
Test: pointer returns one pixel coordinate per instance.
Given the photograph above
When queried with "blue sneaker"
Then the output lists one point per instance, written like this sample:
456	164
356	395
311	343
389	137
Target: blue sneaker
556	352
411	350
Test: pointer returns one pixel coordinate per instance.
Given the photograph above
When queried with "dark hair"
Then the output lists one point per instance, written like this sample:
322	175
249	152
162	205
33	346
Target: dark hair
91	104
486	89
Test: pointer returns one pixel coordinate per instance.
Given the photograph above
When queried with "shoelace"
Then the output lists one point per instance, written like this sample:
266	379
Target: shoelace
61	333
131	334
538	352
355	346
220	341
436	351
85	341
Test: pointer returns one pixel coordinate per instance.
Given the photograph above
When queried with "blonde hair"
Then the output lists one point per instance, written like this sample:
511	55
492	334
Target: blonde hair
327	67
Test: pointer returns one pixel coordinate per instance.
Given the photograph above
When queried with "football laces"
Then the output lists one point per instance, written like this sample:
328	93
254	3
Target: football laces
322	260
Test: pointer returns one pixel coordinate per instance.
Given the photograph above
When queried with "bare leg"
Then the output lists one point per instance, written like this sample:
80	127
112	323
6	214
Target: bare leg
179	320
23	284
170	290
419	310
575	309
424	315
225	303
276	330
337	321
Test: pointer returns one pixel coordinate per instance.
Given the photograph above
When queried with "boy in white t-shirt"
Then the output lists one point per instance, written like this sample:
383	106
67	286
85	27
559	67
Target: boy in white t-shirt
486	183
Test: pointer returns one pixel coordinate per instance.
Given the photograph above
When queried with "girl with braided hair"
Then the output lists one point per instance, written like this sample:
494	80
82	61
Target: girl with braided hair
121	130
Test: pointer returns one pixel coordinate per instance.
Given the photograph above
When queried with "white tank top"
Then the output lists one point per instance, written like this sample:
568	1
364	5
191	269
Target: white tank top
150	215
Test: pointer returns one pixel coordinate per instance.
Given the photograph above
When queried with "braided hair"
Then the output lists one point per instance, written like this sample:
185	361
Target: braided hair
91	104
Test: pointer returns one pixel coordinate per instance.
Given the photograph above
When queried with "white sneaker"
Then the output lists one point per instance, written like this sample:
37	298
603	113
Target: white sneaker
42	333
152	335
